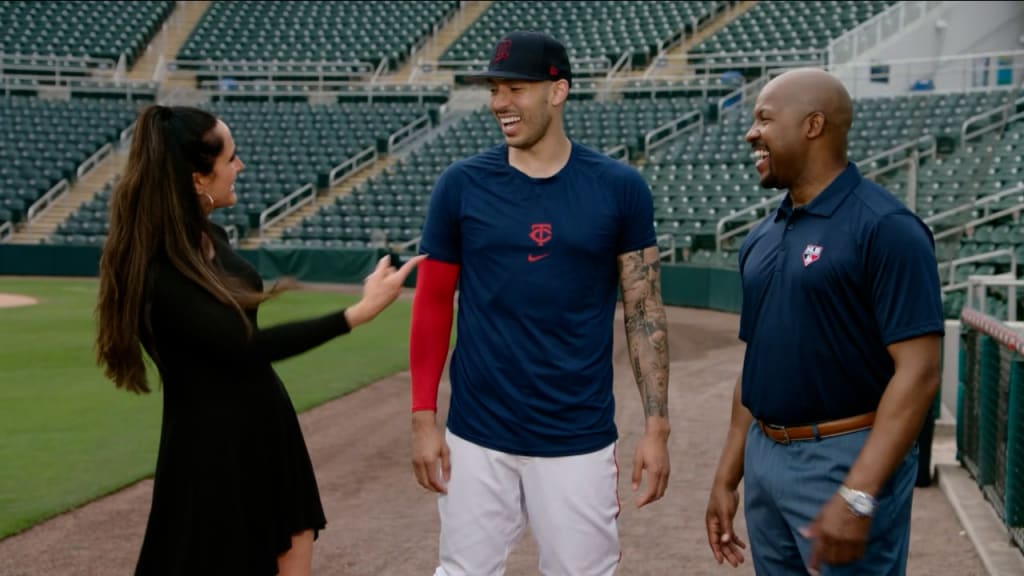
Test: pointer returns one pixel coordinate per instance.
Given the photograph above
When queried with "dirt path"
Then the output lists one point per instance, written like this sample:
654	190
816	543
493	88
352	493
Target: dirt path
382	524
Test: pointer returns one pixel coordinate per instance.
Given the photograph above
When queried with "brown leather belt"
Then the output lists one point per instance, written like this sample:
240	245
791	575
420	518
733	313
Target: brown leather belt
785	435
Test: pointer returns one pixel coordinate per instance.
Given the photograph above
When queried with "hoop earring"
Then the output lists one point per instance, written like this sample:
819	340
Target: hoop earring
208	197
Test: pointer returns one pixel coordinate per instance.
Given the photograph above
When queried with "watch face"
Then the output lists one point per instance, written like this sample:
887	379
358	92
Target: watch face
861	505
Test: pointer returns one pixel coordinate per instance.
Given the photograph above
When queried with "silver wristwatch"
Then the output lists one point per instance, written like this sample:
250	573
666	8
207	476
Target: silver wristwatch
860	503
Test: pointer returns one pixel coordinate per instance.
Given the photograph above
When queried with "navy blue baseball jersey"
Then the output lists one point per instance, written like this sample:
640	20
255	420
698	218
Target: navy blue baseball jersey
531	373
826	288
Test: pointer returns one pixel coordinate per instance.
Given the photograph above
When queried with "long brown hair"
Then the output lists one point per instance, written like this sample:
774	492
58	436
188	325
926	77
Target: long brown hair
155	211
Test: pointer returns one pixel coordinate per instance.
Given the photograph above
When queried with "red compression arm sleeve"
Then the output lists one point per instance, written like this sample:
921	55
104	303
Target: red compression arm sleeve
431	331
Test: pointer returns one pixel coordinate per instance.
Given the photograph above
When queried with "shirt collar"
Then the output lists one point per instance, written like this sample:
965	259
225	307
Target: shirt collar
826	203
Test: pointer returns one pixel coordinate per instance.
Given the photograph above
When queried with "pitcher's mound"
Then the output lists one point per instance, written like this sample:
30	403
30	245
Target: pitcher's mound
12	300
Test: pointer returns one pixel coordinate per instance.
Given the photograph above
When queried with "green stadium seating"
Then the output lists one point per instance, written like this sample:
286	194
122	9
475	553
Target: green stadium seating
394	203
44	141
771	29
314	31
589	30
285	146
83	28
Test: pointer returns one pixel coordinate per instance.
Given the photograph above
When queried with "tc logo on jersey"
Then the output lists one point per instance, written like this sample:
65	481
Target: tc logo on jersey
540	233
811	254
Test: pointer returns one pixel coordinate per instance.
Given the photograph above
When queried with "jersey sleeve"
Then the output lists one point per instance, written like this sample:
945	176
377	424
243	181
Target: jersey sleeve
904	279
440	237
638	215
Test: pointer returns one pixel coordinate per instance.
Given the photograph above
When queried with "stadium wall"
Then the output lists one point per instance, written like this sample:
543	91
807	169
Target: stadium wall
682	285
931	53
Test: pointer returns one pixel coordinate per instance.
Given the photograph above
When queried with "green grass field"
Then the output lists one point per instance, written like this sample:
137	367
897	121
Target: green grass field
67	436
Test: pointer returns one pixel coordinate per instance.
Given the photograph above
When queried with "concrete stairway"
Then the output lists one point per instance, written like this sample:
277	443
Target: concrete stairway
167	42
83	190
323	199
716	24
435	46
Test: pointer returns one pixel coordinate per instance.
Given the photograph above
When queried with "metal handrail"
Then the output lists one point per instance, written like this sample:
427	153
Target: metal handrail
93	160
579	65
381	68
54	64
653	139
746	92
251	67
619	64
1005	109
671	251
979	203
408	132
46	200
413	243
618	152
977	288
853	34
365	157
305	194
912	162
913	145
721	237
1015	209
126	135
951	285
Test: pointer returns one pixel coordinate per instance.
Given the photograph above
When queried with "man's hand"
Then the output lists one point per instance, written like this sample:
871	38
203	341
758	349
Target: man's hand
838	537
430	460
652	456
725	544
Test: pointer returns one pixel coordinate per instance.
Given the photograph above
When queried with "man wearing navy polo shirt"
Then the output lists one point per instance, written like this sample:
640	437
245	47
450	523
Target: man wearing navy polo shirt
843	322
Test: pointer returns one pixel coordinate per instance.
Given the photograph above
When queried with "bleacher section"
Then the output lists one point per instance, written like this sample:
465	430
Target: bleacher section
285	145
786	32
88	225
990	168
314	31
43	142
591	31
87	28
390	208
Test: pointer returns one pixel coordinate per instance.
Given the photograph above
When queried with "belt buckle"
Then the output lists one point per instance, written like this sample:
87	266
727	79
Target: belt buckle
786	441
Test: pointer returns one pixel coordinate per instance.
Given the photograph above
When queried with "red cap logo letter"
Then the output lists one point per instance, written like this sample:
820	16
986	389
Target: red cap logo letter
502	51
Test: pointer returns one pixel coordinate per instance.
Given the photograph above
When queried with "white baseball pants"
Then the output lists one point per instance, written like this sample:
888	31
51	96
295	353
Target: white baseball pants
571	504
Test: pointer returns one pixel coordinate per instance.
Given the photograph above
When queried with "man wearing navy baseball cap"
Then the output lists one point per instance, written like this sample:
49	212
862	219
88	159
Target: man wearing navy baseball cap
539	233
528	56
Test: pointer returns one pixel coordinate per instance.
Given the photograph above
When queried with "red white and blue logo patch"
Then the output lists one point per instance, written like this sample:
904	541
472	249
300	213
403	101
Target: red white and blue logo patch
811	254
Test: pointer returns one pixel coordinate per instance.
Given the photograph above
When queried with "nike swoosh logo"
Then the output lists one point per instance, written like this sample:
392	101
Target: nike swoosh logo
535	257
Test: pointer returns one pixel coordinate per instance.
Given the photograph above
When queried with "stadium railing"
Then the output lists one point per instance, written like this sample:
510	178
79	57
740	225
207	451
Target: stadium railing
990	403
951	73
876	30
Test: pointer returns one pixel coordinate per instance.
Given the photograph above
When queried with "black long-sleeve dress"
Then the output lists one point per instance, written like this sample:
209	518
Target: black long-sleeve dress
233	480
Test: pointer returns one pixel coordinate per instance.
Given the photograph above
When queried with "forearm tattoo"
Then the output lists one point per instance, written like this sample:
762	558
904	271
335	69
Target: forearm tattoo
646	327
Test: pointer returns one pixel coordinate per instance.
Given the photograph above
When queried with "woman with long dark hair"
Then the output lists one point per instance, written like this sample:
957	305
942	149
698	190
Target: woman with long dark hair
235	491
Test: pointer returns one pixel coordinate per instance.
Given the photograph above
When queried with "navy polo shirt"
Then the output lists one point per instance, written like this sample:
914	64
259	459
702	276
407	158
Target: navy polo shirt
826	287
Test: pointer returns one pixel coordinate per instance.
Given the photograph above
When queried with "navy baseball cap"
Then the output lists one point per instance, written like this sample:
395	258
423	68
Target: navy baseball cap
527	56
